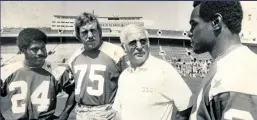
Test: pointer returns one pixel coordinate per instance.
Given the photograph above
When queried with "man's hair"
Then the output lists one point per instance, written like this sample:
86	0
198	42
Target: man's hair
130	29
83	19
231	12
29	35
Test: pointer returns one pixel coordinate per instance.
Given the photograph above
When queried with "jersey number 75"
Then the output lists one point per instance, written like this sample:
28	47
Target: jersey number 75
82	69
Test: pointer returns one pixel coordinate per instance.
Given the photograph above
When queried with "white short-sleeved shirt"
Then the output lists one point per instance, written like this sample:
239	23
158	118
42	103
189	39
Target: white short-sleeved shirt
150	91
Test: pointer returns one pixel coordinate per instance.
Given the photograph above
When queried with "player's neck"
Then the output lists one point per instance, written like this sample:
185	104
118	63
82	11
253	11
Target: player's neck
91	51
31	65
96	50
224	43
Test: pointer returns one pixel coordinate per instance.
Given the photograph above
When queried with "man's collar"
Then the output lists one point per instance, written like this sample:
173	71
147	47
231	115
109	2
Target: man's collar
226	52
143	67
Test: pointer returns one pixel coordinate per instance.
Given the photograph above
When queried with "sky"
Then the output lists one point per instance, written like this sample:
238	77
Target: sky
158	14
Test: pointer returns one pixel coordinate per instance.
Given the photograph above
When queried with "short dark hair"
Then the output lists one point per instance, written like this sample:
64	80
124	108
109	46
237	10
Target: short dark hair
86	18
231	12
28	35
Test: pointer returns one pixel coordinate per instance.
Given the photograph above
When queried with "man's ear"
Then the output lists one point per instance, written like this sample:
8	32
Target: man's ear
216	23
21	50
124	47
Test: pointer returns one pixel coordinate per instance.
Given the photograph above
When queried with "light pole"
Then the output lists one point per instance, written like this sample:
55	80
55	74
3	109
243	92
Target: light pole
159	33
60	32
185	34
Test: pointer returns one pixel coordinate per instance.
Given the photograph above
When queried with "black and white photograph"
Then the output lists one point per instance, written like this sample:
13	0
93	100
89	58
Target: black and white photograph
128	60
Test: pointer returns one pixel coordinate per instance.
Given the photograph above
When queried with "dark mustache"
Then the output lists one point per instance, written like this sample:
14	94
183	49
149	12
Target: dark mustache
90	39
41	56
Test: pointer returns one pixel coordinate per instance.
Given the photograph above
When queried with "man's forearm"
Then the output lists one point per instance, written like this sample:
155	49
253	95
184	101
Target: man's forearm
3	91
70	104
182	115
117	116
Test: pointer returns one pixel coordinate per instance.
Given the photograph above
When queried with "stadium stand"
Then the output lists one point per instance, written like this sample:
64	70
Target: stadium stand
59	55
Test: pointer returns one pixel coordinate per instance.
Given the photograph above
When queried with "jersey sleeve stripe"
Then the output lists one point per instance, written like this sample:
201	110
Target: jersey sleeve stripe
6	71
113	51
76	54
56	70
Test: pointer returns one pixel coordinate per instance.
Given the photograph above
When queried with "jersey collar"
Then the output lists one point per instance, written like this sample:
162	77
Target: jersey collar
225	53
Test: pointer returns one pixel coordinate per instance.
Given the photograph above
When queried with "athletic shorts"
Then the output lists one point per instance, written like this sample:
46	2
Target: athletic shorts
102	112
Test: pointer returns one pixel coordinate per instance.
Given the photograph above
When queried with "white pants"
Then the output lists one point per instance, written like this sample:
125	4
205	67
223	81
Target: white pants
102	112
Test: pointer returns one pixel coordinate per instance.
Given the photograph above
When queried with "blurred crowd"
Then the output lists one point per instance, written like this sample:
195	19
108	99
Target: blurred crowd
193	68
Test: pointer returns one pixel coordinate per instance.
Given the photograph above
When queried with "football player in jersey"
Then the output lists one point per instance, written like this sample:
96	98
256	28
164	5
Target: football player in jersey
33	84
96	68
1	116
229	91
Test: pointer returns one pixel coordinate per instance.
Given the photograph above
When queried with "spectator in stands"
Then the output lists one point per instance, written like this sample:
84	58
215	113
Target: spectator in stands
188	68
178	65
205	68
63	60
209	62
174	62
194	67
200	68
19	52
191	68
183	69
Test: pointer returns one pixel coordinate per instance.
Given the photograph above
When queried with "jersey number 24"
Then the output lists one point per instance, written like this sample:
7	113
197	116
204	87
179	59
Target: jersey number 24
82	69
38	97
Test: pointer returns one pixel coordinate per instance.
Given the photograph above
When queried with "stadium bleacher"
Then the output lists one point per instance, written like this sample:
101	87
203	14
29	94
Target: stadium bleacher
48	30
59	55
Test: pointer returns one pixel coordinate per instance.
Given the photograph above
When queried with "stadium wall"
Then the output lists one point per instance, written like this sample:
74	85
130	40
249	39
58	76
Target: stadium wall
64	40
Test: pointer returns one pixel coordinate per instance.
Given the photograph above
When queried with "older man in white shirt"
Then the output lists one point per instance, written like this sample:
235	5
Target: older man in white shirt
150	89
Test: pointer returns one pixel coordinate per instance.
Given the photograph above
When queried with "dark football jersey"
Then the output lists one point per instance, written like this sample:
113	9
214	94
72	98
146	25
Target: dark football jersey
229	91
33	91
96	74
1	116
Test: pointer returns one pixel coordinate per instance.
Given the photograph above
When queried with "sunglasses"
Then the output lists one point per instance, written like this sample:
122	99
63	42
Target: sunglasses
143	42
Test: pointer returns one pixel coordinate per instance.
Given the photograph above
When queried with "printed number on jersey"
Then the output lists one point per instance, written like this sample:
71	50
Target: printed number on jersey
232	114
81	70
38	97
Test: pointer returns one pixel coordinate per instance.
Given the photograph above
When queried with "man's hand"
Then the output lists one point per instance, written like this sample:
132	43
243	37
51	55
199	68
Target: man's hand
63	116
111	115
1	117
52	117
